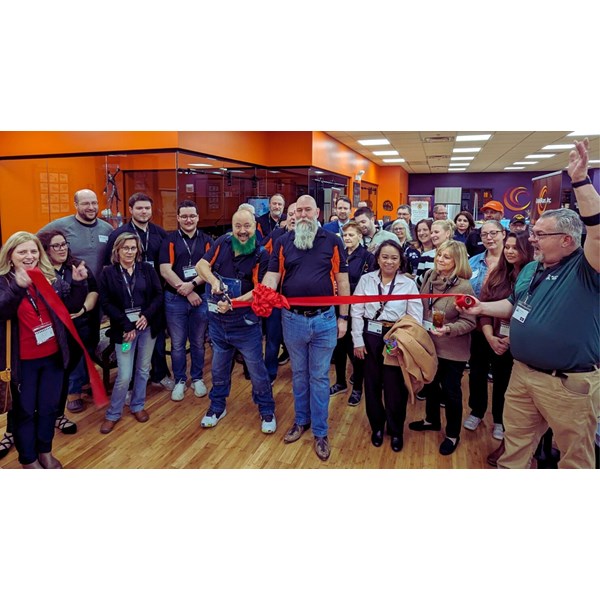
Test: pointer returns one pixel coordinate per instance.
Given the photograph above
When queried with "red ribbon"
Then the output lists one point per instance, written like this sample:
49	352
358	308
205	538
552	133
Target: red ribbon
265	299
54	302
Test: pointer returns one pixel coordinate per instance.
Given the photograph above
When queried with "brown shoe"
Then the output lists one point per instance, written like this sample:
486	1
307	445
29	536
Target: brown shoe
75	403
295	433
492	458
107	426
141	415
48	461
322	447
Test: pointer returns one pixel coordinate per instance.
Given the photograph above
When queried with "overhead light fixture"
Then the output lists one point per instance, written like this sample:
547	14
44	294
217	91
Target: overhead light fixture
479	137
397	160
559	147
199	165
319	172
456	170
594	161
377	142
513	168
581	135
526	162
540	155
386	153
462	157
466	150
461	165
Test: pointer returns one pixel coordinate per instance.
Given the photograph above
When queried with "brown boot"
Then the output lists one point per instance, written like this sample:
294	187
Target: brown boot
34	465
48	461
492	458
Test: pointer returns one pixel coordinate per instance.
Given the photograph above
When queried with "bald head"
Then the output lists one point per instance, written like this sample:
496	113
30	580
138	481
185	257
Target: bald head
86	205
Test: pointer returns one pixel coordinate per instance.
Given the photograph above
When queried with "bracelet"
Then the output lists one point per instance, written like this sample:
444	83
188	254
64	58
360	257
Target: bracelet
591	220
84	309
586	181
344	317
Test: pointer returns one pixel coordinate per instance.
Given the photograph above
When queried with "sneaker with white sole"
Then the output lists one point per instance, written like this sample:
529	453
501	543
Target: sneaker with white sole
199	388
178	391
471	422
168	383
498	431
354	399
268	424
211	418
336	389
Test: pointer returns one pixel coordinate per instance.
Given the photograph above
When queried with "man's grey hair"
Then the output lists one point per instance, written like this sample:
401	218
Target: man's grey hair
246	206
567	221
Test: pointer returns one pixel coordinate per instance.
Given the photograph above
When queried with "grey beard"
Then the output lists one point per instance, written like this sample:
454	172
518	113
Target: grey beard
305	233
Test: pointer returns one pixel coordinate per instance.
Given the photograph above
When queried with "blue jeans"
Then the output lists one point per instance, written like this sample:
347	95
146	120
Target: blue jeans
240	330
186	322
310	342
274	337
144	343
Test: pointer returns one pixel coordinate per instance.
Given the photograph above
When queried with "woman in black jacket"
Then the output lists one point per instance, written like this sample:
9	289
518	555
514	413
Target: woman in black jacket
39	345
131	295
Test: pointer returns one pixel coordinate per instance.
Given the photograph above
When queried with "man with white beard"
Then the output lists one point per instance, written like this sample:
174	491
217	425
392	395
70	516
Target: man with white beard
306	262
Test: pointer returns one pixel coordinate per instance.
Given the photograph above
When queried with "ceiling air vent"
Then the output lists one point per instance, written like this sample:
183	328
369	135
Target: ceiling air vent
439	157
438	138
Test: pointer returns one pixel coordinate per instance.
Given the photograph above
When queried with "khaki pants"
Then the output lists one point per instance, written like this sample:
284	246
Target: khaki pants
536	401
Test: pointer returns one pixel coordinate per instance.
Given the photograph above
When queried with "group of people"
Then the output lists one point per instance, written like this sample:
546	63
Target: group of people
533	326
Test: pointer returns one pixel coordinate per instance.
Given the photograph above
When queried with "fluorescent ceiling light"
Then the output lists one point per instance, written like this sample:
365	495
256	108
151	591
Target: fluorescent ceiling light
319	172
199	165
456	169
399	160
466	150
461	164
479	137
378	142
540	155
462	157
559	147
526	162
579	134
513	168
386	152
594	161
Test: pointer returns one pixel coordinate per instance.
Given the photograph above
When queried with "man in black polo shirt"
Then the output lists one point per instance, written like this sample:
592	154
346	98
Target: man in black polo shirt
310	261
269	221
185	309
236	261
151	237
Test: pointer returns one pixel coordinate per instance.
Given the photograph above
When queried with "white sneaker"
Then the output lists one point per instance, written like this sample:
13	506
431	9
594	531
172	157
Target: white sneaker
268	424
498	432
471	422
178	391
210	419
167	382
199	388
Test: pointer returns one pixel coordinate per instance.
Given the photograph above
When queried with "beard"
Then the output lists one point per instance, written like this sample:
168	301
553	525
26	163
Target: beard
538	255
305	233
243	248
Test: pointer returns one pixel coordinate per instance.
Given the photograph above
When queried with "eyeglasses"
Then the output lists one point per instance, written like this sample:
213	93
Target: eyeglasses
57	247
491	234
128	249
537	235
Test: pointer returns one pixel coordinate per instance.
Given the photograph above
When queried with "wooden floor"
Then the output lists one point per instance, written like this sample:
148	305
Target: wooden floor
173	439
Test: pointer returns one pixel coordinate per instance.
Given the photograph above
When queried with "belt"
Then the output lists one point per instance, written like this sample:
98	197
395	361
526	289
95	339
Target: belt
310	311
564	374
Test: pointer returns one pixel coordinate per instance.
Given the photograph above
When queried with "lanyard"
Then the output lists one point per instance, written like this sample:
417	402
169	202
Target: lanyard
130	287
432	301
190	252
34	304
380	289
136	230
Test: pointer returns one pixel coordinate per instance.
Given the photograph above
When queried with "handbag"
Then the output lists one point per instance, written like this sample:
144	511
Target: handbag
5	393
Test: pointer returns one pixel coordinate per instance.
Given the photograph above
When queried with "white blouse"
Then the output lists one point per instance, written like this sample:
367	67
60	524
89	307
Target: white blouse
393	310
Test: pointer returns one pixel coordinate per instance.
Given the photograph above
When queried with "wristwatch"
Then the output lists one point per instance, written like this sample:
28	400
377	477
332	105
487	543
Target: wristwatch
344	317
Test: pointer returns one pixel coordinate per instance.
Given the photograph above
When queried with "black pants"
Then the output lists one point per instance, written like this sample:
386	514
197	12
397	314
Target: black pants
446	389
380	378
483	360
343	349
35	409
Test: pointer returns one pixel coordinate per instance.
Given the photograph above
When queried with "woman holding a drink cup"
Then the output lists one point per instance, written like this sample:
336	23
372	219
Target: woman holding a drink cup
451	335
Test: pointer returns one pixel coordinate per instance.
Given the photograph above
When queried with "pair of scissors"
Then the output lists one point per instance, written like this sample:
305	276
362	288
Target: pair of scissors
223	290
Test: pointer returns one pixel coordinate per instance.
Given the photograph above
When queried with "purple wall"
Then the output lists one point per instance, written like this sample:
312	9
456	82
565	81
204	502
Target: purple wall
513	190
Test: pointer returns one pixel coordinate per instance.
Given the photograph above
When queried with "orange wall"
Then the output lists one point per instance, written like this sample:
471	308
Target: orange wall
393	186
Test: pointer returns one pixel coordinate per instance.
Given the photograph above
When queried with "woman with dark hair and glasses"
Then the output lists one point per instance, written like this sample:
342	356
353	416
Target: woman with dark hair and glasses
370	322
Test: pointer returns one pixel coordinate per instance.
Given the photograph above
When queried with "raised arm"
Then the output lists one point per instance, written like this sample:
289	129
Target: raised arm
588	201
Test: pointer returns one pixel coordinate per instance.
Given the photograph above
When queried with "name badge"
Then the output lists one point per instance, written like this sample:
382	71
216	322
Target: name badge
43	333
212	307
189	272
521	312
504	328
428	325
374	327
133	314
102	239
